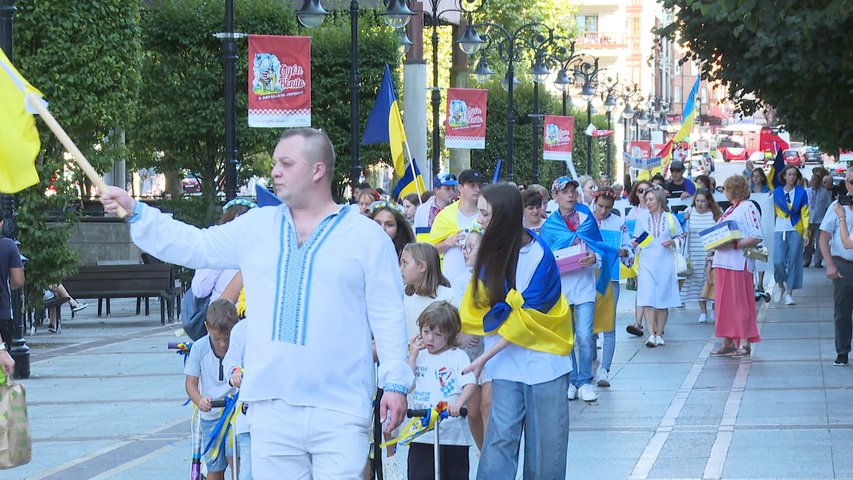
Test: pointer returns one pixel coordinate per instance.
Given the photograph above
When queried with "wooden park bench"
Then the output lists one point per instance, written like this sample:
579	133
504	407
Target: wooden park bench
138	281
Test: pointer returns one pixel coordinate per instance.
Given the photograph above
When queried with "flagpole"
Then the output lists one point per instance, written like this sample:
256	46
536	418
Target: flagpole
69	145
412	166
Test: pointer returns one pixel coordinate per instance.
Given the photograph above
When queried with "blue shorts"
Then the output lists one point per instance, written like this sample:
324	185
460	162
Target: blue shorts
225	450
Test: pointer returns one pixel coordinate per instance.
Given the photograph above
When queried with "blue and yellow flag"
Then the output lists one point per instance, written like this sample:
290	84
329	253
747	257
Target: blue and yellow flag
538	318
412	182
19	139
688	116
776	169
385	125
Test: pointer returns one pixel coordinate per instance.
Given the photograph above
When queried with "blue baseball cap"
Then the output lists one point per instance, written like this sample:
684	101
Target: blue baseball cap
445	180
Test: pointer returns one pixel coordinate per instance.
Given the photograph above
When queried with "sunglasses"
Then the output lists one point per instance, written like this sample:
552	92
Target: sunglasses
850	181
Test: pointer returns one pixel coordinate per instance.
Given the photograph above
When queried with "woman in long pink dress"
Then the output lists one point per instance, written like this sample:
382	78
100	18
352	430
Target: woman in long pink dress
735	302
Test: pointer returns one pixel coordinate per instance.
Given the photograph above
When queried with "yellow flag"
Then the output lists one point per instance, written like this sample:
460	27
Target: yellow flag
19	139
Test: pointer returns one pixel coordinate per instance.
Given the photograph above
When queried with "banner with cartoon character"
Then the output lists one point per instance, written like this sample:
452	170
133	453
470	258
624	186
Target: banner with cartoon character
279	81
558	137
466	118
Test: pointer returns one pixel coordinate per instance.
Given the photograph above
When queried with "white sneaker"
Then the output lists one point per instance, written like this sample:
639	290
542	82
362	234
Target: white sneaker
587	393
789	300
390	468
659	341
703	318
776	296
651	342
603	378
573	392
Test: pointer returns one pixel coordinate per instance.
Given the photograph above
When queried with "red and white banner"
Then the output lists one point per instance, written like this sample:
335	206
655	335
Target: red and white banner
465	126
279	81
558	137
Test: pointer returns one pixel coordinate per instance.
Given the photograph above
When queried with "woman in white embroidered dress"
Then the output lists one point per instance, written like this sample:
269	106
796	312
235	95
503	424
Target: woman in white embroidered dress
657	284
735	301
635	198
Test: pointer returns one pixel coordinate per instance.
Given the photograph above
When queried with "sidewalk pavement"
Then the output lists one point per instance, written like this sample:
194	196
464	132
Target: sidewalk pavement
105	401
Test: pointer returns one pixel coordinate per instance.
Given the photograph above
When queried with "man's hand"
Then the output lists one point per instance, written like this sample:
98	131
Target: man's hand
7	363
588	260
832	272
394	404
684	195
666	243
115	197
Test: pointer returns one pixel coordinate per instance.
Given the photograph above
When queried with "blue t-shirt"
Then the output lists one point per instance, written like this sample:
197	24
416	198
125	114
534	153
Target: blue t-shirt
10	258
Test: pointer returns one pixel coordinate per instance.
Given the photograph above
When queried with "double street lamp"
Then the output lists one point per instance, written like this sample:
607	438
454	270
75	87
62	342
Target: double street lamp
586	71
312	14
509	46
609	91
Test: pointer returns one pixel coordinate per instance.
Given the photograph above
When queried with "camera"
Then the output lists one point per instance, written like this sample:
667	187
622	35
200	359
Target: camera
844	200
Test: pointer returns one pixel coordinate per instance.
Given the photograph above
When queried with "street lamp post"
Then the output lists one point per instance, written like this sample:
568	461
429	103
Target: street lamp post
435	97
19	350
396	15
566	58
229	60
509	46
610	89
540	72
588	72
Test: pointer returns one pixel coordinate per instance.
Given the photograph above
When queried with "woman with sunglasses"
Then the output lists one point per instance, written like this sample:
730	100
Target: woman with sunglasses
791	233
638	191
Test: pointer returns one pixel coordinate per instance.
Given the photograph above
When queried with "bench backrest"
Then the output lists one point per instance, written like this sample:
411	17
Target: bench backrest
120	281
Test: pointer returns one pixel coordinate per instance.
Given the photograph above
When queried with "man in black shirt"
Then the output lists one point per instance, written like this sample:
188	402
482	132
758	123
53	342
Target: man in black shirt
678	186
11	278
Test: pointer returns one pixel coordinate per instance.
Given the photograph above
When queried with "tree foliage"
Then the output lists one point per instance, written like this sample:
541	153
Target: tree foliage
549	104
84	57
791	55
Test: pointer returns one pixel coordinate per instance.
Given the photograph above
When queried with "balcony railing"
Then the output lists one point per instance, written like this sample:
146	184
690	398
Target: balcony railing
601	40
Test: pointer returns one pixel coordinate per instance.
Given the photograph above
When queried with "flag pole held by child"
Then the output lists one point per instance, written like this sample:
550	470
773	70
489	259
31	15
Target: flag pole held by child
69	145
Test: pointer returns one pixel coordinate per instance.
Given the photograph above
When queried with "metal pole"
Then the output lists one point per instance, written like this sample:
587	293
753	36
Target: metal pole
536	132
354	86
607	160
510	114
565	112
436	94
229	59
589	139
19	349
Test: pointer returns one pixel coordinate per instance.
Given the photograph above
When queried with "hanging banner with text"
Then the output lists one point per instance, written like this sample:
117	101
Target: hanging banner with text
465	126
558	137
279	81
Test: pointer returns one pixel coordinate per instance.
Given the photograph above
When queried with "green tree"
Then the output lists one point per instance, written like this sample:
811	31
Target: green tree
791	55
84	57
181	127
496	135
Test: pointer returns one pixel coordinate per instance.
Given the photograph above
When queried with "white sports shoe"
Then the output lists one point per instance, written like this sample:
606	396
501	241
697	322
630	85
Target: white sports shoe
603	378
573	392
587	393
651	342
659	341
789	300
703	318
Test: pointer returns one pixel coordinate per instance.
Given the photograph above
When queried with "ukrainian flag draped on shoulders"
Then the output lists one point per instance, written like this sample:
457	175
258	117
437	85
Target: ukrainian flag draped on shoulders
537	318
19	138
557	234
797	211
446	223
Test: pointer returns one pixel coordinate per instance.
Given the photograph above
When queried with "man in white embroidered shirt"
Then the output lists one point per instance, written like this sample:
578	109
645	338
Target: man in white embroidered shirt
320	282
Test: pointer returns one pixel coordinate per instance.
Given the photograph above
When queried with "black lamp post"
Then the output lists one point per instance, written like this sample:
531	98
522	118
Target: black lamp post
540	72
509	46
564	82
609	91
19	350
435	21
587	71
397	14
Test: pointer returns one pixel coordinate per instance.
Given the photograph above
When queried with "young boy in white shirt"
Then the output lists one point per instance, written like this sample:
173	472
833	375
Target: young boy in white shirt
438	366
207	379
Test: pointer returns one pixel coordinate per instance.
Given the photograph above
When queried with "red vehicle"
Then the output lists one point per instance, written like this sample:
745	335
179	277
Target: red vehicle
738	142
793	157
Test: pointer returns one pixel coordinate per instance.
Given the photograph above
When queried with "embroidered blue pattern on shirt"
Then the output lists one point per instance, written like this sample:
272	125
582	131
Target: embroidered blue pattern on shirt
294	276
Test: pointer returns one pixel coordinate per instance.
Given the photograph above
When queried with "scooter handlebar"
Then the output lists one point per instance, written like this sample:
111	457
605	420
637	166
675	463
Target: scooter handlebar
217	404
423	412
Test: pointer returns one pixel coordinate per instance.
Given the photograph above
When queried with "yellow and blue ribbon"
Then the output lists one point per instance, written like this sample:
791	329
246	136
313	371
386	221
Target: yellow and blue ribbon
220	431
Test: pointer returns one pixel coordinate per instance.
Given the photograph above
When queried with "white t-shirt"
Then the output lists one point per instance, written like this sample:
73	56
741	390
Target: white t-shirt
210	370
415	304
454	261
439	378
